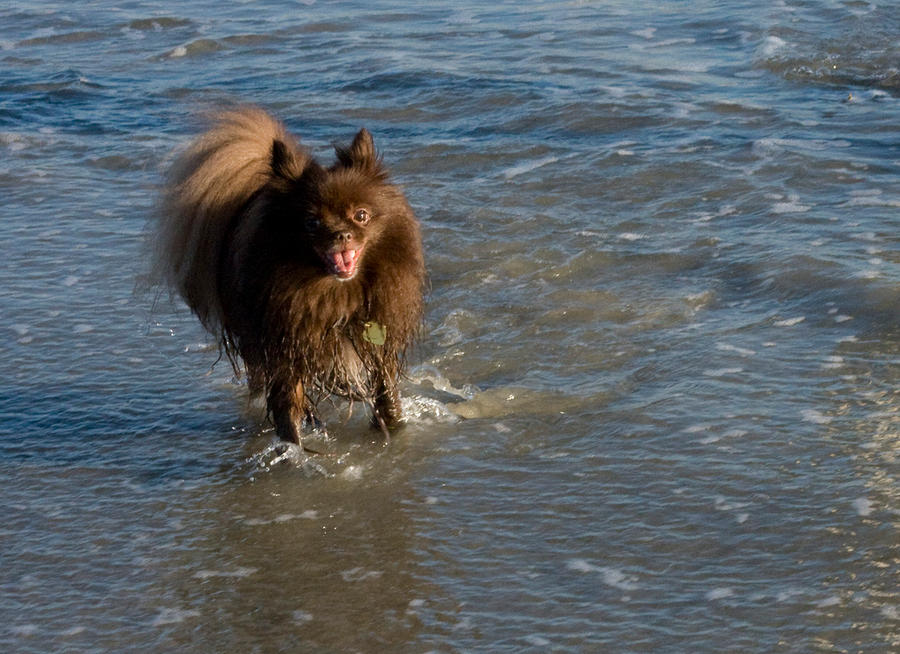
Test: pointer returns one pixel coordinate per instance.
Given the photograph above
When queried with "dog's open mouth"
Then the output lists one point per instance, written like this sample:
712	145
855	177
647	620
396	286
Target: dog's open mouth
343	263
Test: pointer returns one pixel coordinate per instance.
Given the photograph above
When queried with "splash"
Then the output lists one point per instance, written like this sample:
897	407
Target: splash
278	453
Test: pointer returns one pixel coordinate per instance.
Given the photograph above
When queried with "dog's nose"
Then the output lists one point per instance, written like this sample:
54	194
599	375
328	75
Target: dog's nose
344	237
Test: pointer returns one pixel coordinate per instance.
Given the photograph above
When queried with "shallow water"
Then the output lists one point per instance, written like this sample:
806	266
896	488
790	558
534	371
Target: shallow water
655	404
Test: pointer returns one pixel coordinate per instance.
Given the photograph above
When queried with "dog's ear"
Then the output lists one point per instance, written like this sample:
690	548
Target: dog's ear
361	154
362	150
283	161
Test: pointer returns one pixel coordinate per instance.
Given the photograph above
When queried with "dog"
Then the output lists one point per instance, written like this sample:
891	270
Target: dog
313	277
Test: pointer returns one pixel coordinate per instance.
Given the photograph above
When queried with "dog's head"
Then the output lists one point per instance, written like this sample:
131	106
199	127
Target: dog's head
346	208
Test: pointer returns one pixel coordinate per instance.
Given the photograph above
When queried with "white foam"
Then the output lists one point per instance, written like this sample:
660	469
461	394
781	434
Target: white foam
727	347
892	612
458	17
726	210
735	433
302	617
174	616
814	416
281	451
647	32
180	51
360	574
17	145
238	573
719	593
723	504
72	631
24	630
834	600
581	565
771	45
632	236
681	65
832	362
135	35
609	576
869	198
528	166
788	594
463	625
768	146
426	411
255	522
699	300
722	372
199	347
863	506
618	579
790	207
790	322
284	517
352	473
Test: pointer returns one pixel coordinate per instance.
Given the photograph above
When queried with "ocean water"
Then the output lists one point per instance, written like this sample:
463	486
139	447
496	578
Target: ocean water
655	404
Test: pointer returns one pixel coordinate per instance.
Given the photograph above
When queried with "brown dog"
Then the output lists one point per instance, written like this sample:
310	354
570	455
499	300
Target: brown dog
312	276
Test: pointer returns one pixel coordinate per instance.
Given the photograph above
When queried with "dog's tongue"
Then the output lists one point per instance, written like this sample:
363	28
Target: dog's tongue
344	262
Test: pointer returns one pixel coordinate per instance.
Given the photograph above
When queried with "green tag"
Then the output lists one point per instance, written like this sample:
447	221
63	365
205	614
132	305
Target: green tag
374	333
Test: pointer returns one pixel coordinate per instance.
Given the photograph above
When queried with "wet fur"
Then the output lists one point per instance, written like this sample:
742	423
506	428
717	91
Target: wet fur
247	233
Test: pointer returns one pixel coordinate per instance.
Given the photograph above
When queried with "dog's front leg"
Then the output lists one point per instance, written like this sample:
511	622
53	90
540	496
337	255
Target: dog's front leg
388	412
287	406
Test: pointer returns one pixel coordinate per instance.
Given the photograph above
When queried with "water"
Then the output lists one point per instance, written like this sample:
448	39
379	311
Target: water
655	404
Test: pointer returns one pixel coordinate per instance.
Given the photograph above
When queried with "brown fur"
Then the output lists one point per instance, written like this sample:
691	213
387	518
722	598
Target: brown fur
289	264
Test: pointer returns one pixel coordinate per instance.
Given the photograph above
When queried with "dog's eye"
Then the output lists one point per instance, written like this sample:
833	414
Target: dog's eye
362	216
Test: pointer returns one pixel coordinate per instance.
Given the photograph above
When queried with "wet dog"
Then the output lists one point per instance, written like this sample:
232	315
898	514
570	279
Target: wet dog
312	276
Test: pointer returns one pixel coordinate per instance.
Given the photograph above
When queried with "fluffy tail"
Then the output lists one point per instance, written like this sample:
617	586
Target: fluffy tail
208	187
